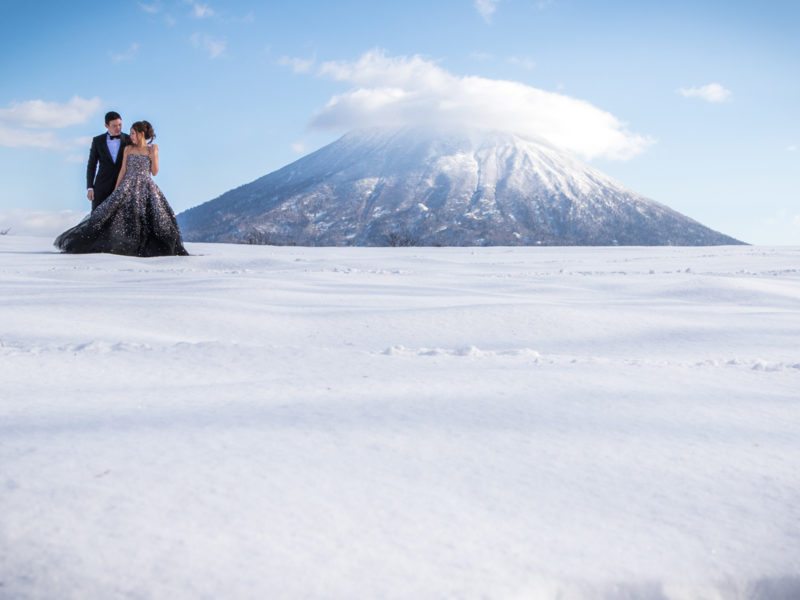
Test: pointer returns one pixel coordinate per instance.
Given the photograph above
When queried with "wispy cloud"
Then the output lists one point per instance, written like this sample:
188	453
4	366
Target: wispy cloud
298	147
791	148
712	92
50	115
523	62
213	46
414	91
15	137
75	158
247	18
129	54
481	56
152	9
486	8
39	222
298	65
201	11
33	123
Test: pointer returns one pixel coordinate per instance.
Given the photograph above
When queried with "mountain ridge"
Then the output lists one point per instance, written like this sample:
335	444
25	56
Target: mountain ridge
382	187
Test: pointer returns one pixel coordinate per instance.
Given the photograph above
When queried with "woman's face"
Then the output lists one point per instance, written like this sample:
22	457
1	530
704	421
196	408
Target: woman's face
135	137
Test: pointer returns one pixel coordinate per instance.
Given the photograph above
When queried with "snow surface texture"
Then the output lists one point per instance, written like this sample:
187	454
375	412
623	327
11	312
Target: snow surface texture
260	422
411	187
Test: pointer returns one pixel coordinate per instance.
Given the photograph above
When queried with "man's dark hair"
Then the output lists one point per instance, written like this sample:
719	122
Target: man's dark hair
112	116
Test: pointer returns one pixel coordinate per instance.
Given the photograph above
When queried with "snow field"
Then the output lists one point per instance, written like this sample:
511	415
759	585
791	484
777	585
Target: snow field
407	422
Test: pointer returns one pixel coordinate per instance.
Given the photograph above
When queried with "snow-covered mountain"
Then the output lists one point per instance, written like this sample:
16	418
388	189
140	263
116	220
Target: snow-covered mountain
415	187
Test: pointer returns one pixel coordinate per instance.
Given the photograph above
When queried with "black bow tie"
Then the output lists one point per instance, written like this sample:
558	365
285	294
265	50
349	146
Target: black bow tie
113	137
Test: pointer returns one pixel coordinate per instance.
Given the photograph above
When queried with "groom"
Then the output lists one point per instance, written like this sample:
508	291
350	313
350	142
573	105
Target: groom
107	152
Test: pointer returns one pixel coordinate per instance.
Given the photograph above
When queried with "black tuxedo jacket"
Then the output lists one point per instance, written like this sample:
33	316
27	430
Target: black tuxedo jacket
104	178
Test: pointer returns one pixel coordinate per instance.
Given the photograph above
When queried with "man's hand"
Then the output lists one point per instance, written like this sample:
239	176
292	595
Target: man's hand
90	194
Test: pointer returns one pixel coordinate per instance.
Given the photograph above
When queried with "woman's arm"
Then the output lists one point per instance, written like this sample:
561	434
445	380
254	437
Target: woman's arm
154	159
124	167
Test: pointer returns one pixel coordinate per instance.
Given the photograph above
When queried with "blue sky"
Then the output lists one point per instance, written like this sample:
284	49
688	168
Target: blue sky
693	104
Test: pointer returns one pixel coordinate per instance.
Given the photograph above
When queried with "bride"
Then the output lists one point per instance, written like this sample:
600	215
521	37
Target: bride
136	218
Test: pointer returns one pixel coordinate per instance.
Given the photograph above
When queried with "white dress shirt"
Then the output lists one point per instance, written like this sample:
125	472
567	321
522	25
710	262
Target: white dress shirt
113	147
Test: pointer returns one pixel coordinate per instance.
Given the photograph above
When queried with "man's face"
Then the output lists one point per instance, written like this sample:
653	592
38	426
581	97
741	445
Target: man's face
114	127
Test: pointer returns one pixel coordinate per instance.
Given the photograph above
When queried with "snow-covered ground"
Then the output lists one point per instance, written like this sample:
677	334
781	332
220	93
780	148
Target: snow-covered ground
259	422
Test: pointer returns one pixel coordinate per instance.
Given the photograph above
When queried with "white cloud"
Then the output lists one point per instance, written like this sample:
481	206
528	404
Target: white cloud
129	54
299	147
298	65
712	92
32	124
247	18
14	137
80	149
201	11
522	61
215	47
413	91
152	9
791	148
47	115
17	137
486	8
39	222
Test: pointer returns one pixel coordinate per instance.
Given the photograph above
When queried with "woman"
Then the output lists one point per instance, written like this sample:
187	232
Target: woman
136	218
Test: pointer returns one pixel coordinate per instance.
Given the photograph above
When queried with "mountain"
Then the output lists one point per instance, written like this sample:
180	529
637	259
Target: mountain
415	187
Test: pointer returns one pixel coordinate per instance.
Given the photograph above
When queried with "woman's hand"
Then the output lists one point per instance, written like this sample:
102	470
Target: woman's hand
124	167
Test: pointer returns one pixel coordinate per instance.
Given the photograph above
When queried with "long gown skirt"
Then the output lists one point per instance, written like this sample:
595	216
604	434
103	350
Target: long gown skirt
135	220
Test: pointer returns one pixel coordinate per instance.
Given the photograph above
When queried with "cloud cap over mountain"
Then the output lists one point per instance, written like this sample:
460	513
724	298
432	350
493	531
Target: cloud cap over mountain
415	91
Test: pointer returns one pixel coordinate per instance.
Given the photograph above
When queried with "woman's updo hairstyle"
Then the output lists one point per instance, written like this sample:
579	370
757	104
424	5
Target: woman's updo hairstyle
144	128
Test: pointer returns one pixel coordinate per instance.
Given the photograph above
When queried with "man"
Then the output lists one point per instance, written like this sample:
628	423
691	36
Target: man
107	152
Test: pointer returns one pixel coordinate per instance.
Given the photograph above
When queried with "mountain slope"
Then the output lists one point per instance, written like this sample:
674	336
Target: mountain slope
413	187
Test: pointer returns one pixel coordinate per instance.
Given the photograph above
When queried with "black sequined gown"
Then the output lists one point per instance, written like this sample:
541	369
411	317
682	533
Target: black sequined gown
135	219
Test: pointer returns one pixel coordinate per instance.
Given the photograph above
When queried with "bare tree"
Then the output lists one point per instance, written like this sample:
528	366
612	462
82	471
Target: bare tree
398	239
256	237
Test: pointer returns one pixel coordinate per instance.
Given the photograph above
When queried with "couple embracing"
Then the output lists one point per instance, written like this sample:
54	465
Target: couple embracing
130	214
